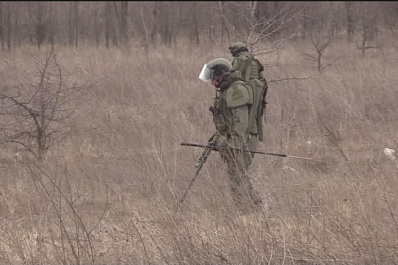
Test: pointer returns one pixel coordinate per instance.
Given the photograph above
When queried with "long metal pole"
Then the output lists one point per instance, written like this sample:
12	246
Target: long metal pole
216	148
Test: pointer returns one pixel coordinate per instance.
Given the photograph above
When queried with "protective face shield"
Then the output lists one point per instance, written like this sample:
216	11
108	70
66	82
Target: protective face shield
215	69
206	74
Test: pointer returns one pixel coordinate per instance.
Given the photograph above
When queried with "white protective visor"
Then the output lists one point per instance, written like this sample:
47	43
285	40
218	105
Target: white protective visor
206	74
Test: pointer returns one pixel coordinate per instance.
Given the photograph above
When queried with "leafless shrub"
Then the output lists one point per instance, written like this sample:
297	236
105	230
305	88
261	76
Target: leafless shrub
320	46
261	29
33	113
71	239
369	23
335	139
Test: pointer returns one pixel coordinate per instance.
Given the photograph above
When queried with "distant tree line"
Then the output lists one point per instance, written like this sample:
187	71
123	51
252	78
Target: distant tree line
118	23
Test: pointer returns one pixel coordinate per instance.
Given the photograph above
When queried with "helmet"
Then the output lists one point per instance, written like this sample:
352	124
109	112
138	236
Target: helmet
237	47
215	69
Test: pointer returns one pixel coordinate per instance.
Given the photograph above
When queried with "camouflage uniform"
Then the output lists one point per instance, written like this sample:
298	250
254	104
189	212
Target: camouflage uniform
231	118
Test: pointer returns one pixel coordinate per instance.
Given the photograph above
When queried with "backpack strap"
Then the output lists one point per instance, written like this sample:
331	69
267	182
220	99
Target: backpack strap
248	68
255	108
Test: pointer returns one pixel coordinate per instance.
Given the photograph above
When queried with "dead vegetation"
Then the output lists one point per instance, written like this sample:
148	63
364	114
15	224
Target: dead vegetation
107	192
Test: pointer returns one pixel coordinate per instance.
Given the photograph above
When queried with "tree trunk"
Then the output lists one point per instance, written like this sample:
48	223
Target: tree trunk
167	33
40	31
223	23
73	24
107	23
51	29
195	23
154	24
9	26
304	25
124	22
251	39
1	26
15	28
76	28
70	25
97	28
350	20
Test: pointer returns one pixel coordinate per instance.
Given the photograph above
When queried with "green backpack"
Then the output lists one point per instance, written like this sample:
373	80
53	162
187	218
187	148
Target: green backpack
253	76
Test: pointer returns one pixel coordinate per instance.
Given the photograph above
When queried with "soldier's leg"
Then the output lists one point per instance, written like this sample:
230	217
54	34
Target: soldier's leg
252	144
235	181
241	187
246	184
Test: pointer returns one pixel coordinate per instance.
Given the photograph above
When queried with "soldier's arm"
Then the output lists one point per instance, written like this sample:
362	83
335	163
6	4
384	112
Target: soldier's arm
237	101
241	120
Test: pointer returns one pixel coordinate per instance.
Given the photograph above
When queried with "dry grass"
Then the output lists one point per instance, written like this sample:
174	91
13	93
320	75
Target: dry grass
107	194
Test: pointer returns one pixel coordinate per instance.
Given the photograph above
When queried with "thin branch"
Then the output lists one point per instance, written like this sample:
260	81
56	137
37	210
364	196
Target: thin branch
289	78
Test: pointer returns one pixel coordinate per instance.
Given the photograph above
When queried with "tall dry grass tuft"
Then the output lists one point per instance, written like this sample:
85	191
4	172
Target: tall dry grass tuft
107	193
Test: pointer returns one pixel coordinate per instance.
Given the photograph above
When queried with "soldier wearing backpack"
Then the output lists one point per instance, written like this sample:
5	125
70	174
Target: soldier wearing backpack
236	127
251	72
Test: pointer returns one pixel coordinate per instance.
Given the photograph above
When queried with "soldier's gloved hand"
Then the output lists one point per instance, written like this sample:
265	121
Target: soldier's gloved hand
238	143
222	142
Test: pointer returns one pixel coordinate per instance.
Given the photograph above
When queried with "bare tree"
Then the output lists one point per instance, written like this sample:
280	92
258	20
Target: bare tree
8	25
147	38
33	116
260	27
124	22
254	22
320	44
73	23
210	22
52	30
154	17
167	30
108	21
110	32
1	25
224	20
369	19
351	19
195	23
321	34
97	25
40	24
76	22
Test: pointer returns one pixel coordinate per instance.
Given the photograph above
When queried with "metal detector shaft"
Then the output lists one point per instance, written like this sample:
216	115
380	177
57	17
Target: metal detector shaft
217	148
201	161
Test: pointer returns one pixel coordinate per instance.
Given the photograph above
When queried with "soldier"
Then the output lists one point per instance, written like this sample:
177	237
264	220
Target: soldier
250	69
233	105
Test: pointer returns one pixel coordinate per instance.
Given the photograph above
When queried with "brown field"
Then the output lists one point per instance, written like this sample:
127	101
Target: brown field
106	193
